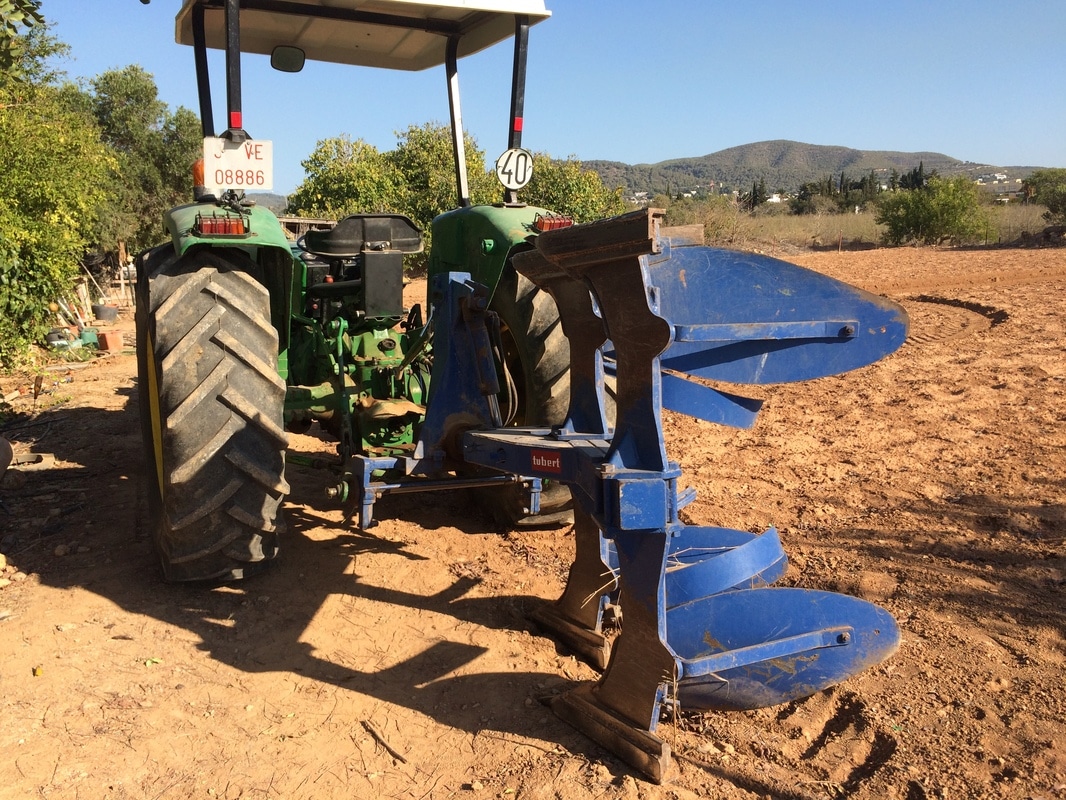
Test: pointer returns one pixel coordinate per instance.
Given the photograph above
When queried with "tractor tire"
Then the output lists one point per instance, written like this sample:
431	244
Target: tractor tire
537	358
211	403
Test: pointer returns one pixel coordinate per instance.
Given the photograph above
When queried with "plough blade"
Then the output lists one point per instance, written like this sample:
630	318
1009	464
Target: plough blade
700	561
704	402
638	747
576	618
761	647
747	318
706	561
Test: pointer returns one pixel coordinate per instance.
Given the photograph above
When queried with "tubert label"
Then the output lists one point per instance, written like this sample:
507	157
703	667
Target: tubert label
547	461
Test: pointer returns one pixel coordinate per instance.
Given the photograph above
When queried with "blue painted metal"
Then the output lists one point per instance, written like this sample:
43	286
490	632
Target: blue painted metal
690	627
761	647
707	403
748	318
698	629
706	561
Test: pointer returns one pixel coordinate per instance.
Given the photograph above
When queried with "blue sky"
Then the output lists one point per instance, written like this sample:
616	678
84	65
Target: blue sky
642	82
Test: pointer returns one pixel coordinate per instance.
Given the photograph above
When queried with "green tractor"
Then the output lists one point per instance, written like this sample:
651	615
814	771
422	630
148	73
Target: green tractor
243	336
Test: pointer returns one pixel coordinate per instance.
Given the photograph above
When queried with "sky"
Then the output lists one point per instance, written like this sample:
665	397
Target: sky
643	82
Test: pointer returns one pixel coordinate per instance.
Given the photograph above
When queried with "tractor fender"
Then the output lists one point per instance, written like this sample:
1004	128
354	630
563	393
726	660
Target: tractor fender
480	240
184	224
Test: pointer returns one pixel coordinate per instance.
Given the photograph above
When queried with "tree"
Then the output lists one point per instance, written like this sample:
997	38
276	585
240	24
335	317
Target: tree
154	150
346	176
424	156
418	179
567	187
15	14
1048	187
52	183
756	197
916	178
945	209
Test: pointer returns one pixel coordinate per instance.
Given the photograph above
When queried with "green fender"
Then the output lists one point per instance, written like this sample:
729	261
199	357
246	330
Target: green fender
480	240
264	229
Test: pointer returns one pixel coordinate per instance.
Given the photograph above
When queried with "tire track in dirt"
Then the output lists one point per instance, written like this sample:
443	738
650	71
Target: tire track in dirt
942	319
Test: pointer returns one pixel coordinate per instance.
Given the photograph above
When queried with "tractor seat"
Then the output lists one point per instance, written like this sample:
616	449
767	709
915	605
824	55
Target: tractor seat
362	233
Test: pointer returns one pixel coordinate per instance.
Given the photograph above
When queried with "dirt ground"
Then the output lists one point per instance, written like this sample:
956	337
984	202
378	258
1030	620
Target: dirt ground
400	662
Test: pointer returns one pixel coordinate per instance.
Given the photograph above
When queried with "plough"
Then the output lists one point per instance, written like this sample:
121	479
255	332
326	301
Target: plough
703	627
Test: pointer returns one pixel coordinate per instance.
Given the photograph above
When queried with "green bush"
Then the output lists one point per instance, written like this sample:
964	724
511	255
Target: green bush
944	210
1048	188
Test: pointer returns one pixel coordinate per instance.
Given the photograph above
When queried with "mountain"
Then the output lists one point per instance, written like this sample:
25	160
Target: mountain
269	200
780	163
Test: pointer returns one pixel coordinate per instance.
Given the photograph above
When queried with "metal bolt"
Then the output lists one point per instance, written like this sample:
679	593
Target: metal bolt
844	637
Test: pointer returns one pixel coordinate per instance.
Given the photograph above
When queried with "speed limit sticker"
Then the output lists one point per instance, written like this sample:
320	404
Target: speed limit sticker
514	168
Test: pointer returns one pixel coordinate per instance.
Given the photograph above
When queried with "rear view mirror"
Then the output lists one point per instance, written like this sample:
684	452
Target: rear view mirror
287	59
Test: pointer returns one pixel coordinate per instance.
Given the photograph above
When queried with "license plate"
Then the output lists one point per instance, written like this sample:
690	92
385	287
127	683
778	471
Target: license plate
247	165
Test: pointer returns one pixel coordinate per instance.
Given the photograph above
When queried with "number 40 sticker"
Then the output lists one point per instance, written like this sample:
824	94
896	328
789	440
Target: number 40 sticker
514	168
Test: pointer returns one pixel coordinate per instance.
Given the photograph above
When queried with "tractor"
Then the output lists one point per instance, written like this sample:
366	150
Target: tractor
539	375
241	339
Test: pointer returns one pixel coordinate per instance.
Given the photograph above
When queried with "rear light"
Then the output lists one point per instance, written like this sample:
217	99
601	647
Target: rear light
220	224
551	222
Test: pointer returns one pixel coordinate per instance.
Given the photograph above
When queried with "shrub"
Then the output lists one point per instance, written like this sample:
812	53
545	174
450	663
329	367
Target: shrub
944	210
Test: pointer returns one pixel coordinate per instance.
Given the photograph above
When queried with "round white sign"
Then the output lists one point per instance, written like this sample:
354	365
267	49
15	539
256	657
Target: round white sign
514	168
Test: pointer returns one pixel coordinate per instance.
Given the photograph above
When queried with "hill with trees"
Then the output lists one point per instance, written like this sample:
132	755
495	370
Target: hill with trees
781	164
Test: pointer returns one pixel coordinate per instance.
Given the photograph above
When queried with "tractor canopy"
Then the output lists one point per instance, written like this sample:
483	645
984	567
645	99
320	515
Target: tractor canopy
392	34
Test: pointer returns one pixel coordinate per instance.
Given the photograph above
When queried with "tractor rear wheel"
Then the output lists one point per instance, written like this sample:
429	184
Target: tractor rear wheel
536	388
211	403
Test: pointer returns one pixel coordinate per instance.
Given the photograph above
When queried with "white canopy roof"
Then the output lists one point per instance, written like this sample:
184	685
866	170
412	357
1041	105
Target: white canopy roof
393	34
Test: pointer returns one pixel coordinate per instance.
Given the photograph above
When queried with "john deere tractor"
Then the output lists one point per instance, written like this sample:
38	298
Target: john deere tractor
244	335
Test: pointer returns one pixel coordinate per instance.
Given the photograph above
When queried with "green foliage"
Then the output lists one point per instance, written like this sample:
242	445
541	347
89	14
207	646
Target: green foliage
345	176
14	15
424	157
756	197
154	150
1048	188
51	185
417	179
836	196
915	179
945	209
568	187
